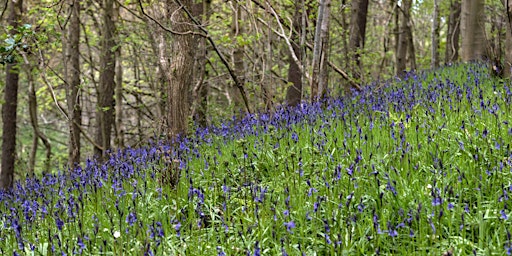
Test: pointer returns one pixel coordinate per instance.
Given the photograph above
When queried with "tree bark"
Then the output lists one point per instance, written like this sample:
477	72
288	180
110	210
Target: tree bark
119	99
237	56
404	39
358	34
73	86
294	90
179	69
106	104
507	67
435	36
452	36
472	29
9	109
319	77
202	91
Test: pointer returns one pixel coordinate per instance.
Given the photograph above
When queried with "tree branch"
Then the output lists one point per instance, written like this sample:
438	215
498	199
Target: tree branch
235	78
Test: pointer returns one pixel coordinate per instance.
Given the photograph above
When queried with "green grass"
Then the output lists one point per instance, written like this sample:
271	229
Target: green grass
420	167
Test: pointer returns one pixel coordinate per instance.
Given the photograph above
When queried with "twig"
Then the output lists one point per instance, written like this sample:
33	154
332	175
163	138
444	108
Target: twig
164	27
235	78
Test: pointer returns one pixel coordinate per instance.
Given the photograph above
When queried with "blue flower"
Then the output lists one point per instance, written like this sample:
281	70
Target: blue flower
503	215
289	225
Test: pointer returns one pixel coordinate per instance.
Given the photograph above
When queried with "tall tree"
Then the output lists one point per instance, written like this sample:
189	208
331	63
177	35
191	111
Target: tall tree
434	63
237	30
473	30
294	91
176	57
105	108
403	38
320	51
507	72
73	84
201	89
452	36
358	33
9	109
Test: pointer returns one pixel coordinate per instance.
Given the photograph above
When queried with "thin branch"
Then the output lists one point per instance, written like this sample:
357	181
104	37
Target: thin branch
287	40
280	21
164	27
43	65
222	58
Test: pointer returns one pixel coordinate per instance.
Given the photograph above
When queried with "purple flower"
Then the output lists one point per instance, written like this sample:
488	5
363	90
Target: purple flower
59	223
220	252
391	188
131	218
503	215
257	251
289	225
437	201
295	137
177	227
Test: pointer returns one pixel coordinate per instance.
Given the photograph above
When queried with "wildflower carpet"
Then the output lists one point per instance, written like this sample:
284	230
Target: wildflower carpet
422	166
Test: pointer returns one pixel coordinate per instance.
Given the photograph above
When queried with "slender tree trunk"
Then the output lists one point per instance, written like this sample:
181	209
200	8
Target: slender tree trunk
435	36
9	109
106	105
411	50
320	54
452	37
237	56
401	54
358	34
294	91
472	29
202	88
32	109
507	67
73	76
404	39
119	99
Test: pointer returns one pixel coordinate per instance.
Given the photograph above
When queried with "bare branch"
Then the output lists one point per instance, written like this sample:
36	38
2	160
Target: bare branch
235	78
164	27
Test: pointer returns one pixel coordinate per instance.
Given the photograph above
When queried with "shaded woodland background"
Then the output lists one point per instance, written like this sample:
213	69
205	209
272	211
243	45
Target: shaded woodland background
83	77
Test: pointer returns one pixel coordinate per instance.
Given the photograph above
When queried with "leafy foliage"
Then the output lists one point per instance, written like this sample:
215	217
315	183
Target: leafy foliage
421	166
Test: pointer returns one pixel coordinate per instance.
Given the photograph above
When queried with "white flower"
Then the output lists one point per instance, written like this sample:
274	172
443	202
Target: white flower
117	234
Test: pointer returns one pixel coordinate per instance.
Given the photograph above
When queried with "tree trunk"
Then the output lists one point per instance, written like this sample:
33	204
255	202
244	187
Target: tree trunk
73	96
404	40
472	29
32	109
202	88
9	109
237	56
106	104
179	73
401	55
319	77
435	36
294	90
119	99
452	37
507	67
358	34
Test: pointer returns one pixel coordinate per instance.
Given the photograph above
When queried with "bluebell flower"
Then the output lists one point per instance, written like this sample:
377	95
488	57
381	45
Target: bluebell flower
503	215
257	251
131	218
220	252
289	226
